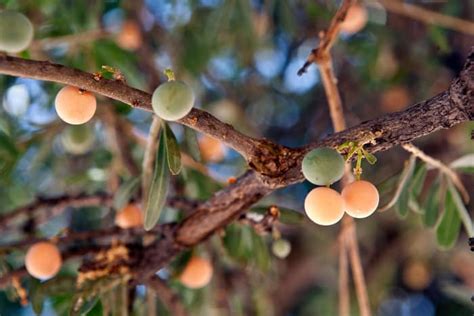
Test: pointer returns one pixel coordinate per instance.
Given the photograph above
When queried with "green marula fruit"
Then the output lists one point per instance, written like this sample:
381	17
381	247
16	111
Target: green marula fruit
16	31
78	139
323	166
172	100
281	248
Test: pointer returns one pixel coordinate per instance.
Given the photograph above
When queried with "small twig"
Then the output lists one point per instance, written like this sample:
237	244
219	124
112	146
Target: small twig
168	297
344	295
328	38
441	167
404	177
426	16
71	39
262	224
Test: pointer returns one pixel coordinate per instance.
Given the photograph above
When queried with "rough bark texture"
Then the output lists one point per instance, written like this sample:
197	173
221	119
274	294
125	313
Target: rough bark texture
274	166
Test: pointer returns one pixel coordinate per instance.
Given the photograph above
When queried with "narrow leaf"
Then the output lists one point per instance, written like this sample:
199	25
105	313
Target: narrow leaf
461	208
124	193
431	205
192	144
403	181
402	204
173	154
418	181
448	229
158	188
464	163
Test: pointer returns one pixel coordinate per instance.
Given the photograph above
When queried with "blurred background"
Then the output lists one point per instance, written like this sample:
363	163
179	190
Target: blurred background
241	58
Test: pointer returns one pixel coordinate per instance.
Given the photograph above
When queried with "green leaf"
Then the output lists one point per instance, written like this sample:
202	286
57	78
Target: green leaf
158	188
418	181
448	229
173	154
402	195
371	159
124	193
402	204
461	208
192	144
81	306
464	163
431	205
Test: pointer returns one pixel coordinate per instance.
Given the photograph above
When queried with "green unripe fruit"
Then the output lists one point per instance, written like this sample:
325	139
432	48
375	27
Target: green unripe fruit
172	100
323	166
78	139
281	248
16	32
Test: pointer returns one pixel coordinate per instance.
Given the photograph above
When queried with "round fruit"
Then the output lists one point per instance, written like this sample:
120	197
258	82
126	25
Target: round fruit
130	216
281	248
75	106
43	260
324	206
78	139
16	32
355	20
323	166
197	273
361	198
211	149
130	36
172	100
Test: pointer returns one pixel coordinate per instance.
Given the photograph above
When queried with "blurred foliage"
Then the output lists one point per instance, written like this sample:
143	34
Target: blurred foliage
241	58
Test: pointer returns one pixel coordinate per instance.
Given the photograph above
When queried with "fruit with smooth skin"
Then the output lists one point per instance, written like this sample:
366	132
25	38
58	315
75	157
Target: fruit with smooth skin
197	273
281	248
355	20
323	166
211	149
43	260
172	100
75	106
361	198
16	31
78	139
324	206
130	36
130	216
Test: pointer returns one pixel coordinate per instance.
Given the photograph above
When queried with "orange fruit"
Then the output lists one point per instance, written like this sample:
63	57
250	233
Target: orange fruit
355	20
130	36
211	149
130	216
197	273
361	198
324	206
43	260
75	106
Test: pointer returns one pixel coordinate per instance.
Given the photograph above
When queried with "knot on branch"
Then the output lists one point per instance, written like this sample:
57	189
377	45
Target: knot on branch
272	160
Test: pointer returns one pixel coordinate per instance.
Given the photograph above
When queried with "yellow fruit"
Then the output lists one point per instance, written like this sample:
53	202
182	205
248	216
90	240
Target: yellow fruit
130	216
361	198
75	106
197	273
16	31
211	149
130	36
43	260
355	20
324	206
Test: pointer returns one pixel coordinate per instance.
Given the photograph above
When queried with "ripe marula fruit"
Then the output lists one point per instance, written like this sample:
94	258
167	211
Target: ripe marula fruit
130	36
323	166
78	139
324	206
43	260
172	100
355	20
16	31
197	273
361	198
211	149
75	106
130	216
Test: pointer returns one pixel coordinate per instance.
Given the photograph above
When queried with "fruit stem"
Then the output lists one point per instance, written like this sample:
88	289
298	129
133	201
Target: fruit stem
170	74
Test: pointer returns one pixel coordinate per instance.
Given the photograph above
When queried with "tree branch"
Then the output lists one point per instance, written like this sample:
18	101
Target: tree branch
167	296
